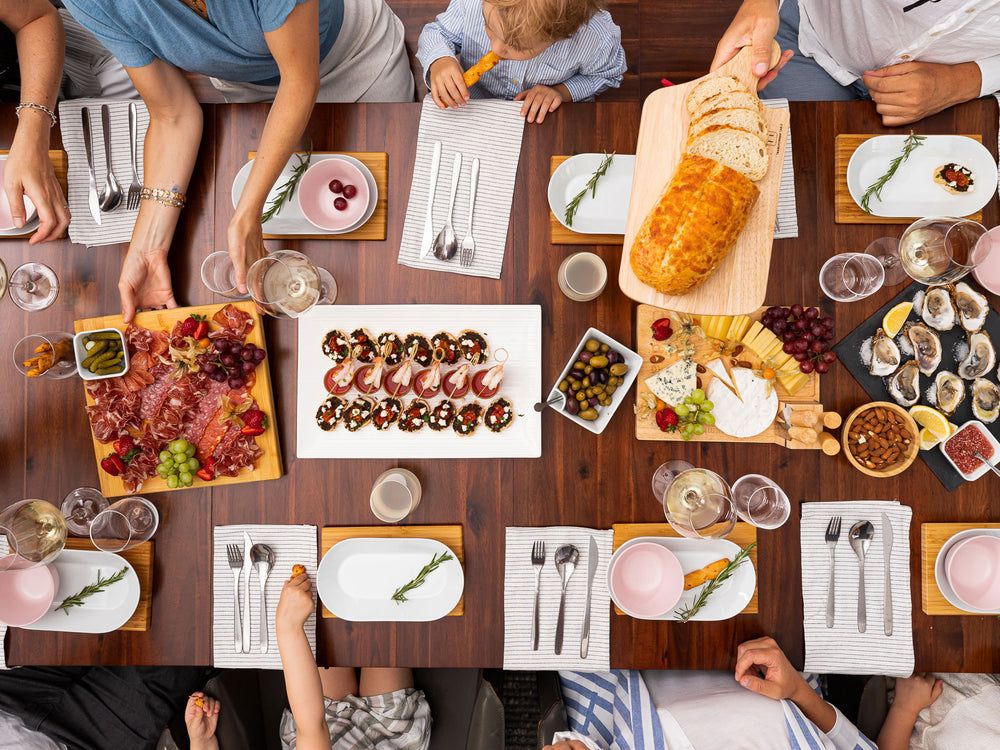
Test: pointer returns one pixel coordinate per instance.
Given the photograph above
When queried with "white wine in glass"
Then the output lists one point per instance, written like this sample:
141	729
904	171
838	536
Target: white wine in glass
699	504
943	249
35	531
286	284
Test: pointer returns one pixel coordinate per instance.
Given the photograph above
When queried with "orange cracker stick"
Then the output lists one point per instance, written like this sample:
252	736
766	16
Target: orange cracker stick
297	570
486	63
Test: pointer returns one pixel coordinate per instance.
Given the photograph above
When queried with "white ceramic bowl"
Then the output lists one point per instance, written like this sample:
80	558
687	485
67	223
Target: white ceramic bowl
983	468
941	575
80	351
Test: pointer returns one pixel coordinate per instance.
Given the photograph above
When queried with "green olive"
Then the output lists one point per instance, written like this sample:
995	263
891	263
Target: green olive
599	388
575	386
589	414
592	345
605	401
578	365
611	389
619	368
605	348
581	396
588	369
599	361
563	385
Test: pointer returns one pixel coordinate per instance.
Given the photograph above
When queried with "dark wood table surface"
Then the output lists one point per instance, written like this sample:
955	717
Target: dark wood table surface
581	479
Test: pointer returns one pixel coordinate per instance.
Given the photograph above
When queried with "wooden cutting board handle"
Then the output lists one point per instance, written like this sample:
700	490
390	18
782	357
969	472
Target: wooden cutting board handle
739	65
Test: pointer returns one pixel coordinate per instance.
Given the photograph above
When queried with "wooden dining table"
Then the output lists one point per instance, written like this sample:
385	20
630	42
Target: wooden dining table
581	479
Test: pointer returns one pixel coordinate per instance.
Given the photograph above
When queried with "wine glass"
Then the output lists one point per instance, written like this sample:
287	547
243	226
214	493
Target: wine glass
219	275
851	276
760	501
943	249
886	251
285	284
124	524
3	279
45	355
35	531
699	504
33	286
80	508
665	474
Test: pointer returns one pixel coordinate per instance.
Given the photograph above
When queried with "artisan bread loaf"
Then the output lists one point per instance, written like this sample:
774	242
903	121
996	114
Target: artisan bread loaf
737	149
711	87
729	100
744	119
692	227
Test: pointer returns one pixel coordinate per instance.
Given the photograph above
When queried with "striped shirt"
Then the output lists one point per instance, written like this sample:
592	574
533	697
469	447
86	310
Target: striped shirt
587	63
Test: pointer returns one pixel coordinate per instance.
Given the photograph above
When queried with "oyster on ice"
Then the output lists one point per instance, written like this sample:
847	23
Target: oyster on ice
904	385
950	390
885	355
926	347
982	357
972	307
938	311
985	400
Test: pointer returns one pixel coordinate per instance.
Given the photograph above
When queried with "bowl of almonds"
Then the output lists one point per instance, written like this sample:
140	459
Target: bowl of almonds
880	439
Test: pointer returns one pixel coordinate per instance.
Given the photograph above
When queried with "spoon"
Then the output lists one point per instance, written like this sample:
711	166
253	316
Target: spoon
861	536
557	398
566	558
978	455
111	196
262	557
446	244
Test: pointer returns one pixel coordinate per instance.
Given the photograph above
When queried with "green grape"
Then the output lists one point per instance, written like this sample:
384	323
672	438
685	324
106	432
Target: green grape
193	465
172	481
688	400
699	429
164	456
698	395
162	470
681	411
185	477
189	451
709	419
167	464
177	446
703	417
707	405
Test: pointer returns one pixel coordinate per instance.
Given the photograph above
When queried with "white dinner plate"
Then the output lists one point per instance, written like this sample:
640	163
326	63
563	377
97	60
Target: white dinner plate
290	219
730	598
942	578
602	213
912	190
101	612
357	577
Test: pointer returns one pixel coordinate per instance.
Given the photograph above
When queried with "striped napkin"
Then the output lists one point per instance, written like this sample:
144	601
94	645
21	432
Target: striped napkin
786	224
842	649
292	545
519	600
116	226
490	130
4	549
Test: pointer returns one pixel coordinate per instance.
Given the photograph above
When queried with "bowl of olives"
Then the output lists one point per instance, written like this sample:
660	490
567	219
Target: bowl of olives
596	379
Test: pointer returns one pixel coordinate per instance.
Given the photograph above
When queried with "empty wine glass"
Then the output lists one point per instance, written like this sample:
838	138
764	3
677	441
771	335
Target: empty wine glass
943	249
81	507
886	251
665	474
285	284
124	524
35	532
699	504
219	275
33	286
3	279
851	276
760	501
45	355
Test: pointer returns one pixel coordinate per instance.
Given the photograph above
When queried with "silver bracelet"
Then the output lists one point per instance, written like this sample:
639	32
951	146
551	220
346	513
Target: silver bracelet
39	107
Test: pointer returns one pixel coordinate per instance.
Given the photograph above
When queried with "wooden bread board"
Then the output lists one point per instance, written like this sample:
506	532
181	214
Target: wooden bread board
450	536
932	538
268	467
739	284
60	164
375	227
560	235
846	211
139	557
742	535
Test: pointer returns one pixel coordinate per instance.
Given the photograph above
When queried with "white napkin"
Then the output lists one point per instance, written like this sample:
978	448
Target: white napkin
998	142
491	130
4	549
786	224
116	226
292	545
519	599
842	649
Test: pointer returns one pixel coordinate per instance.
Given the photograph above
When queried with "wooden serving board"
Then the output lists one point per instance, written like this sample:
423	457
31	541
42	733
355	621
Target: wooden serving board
139	557
375	227
846	211
932	538
742	535
268	467
60	164
450	536
739	284
560	235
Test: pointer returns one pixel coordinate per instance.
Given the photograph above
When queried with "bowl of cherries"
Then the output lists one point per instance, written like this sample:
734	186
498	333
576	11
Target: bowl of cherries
805	334
233	362
334	195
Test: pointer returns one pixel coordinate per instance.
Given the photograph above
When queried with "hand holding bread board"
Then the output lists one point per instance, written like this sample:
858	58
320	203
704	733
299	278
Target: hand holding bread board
739	283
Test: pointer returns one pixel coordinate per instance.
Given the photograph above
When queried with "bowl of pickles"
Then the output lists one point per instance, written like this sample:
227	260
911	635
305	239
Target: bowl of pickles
100	354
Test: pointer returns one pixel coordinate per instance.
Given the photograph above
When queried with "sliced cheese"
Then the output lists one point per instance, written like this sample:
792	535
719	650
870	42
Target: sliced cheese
748	415
792	383
752	333
674	382
739	327
718	368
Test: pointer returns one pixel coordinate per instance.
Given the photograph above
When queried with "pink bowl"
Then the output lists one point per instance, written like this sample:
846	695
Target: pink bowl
26	595
973	570
645	580
316	199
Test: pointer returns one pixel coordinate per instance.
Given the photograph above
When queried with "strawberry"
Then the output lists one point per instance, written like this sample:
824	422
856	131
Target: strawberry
661	329
255	419
207	472
201	329
666	419
124	444
189	326
113	464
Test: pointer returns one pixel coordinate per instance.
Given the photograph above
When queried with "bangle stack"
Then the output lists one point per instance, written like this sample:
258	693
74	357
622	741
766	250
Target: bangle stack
39	107
174	198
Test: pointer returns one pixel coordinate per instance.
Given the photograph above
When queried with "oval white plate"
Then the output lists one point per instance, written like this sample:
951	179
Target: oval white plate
357	577
607	211
100	613
942	579
290	219
730	598
912	190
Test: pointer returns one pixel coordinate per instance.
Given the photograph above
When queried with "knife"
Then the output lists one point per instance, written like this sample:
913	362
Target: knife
247	544
592	557
886	553
427	242
95	209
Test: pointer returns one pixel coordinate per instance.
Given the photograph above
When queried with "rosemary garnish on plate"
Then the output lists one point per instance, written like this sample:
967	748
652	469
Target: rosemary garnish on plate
76	600
399	595
727	572
286	191
875	189
591	185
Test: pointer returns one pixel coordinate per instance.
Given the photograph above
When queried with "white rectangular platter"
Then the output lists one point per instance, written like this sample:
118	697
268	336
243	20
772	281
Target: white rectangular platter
516	328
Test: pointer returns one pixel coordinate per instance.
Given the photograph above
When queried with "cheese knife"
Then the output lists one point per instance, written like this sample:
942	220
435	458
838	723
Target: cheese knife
427	241
886	553
92	200
592	557
247	544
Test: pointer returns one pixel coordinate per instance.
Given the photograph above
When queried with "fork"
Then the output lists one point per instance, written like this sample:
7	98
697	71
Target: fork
235	558
537	561
469	244
832	535
132	200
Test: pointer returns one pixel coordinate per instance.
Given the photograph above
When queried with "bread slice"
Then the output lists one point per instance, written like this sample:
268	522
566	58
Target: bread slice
744	119
729	100
737	149
712	86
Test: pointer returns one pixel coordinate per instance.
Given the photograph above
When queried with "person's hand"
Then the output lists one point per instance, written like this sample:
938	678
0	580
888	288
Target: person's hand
145	282
538	101
564	745
754	26
201	720
448	88
296	603
916	693
245	236
29	172
911	91
764	656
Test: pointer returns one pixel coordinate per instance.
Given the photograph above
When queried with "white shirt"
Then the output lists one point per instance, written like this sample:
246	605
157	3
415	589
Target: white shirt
848	37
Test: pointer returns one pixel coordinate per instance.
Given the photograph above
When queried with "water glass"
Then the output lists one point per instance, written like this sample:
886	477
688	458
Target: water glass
851	276
395	495
219	275
35	532
33	286
45	355
943	249
665	474
81	507
124	524
760	501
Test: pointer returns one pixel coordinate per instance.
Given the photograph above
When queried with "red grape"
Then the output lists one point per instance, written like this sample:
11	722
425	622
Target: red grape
340	204
801	345
822	367
228	360
350	191
796	310
789	335
788	348
829	357
774	311
247	367
807	336
221	345
806	367
817	329
800	356
258	355
209	367
246	353
812	313
828	336
801	324
817	347
828	322
219	376
779	325
336	186
235	382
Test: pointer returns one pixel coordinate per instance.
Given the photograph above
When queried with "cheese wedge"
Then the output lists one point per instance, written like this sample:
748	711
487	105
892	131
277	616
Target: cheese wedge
674	382
751	413
739	327
718	368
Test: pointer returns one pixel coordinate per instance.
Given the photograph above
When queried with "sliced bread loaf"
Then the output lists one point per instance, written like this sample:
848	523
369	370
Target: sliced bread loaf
729	100
712	86
744	119
735	148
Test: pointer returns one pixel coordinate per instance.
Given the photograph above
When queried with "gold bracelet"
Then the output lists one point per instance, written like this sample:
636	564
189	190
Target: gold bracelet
174	198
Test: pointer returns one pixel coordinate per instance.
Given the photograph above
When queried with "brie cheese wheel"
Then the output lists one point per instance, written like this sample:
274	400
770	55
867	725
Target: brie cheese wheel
746	416
674	382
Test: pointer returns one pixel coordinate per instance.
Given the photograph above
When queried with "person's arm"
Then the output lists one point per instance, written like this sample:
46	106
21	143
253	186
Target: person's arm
754	26
442	37
913	694
40	50
911	91
605	67
201	721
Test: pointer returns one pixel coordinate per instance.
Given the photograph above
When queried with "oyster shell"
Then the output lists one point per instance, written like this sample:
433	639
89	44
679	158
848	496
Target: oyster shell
926	346
985	400
938	310
950	390
885	355
904	385
972	307
982	357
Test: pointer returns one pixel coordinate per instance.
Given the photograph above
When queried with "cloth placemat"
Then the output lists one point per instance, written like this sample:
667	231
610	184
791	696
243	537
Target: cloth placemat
842	649
519	599
292	545
4	549
786	223
116	226
490	130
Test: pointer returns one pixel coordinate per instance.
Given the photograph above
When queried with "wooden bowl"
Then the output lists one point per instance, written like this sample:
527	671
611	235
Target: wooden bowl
908	458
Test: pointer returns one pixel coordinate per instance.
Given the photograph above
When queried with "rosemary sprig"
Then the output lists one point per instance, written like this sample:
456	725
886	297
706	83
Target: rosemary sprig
286	191
591	185
727	572
399	595
875	189
76	600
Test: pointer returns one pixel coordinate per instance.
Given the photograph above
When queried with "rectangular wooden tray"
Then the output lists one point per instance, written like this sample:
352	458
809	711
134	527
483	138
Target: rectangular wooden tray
269	466
450	536
60	164
742	535
560	235
932	539
140	557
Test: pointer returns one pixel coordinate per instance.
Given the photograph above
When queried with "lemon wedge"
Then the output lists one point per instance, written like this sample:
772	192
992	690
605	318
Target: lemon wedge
932	420
894	319
928	439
